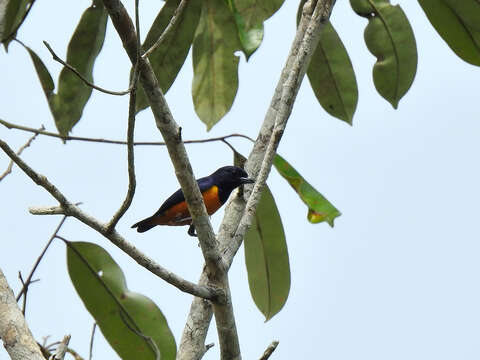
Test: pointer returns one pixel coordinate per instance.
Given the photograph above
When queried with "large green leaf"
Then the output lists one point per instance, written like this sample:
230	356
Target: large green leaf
101	285
87	41
266	257
11	13
168	58
331	74
332	77
319	208
249	17
458	23
215	66
390	38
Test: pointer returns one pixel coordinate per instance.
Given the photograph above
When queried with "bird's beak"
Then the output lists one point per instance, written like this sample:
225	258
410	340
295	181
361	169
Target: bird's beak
245	180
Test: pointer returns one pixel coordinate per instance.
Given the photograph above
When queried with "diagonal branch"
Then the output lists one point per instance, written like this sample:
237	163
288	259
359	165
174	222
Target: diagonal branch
81	77
40	257
69	209
215	267
315	14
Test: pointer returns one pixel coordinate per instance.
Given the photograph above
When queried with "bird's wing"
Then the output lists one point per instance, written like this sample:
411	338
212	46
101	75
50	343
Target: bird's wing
177	197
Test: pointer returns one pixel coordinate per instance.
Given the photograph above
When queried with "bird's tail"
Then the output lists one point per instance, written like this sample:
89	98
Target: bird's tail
144	225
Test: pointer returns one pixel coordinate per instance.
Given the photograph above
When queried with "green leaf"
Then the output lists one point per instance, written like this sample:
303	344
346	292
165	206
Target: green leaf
43	74
390	38
169	56
11	13
331	74
332	77
458	23
266	257
101	285
85	45
319	208
215	66
249	17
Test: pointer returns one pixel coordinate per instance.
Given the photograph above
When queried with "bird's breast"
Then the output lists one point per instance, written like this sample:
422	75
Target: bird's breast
211	199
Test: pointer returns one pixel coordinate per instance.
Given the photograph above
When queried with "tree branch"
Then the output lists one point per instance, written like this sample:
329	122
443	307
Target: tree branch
29	278
216	270
116	142
61	348
269	350
14	332
132	183
92	336
69	209
314	15
81	77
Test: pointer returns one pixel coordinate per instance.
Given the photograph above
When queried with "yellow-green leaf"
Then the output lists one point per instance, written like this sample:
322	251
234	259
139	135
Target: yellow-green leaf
266	258
215	66
101	285
168	58
319	208
390	38
458	23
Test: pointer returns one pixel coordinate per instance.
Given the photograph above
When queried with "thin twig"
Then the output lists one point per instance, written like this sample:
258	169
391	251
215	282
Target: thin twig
90	352
142	335
270	349
19	152
15	29
76	356
116	142
29	278
132	183
176	15
81	77
61	349
24	305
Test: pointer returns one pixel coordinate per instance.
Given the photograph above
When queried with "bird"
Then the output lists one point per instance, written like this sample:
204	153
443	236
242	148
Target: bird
215	189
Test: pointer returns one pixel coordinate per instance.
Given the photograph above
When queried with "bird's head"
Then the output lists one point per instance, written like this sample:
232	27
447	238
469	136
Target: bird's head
232	176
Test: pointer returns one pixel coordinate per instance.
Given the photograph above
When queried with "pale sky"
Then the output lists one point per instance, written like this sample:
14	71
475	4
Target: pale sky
397	276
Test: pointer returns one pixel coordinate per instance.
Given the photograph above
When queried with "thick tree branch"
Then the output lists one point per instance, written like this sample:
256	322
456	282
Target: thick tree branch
216	270
69	209
14	332
236	219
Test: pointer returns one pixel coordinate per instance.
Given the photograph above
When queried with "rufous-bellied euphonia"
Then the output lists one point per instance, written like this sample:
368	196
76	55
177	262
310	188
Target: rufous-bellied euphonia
215	189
